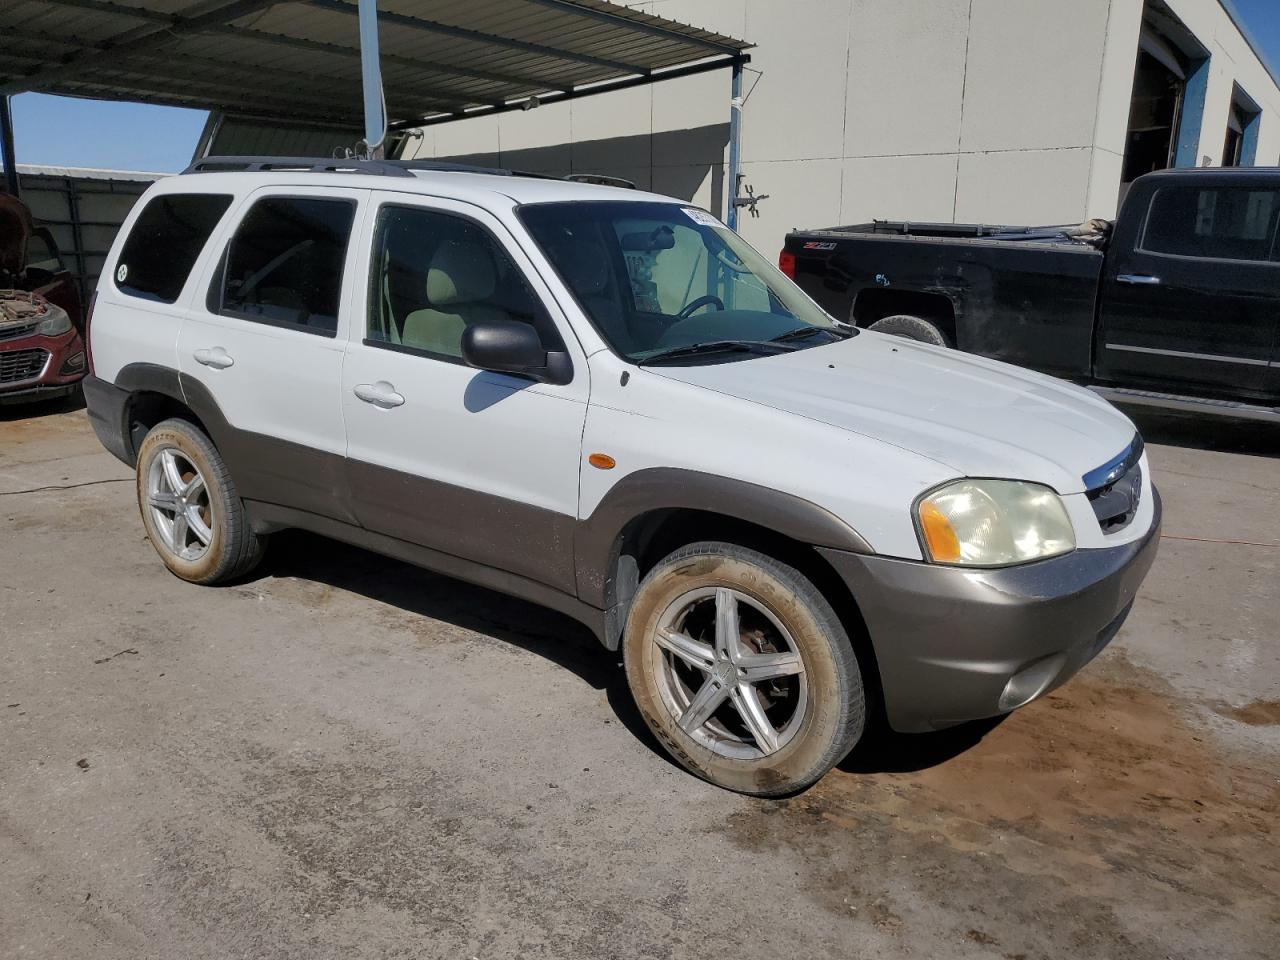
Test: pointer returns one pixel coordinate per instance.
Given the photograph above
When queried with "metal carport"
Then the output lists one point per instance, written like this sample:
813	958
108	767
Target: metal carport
300	60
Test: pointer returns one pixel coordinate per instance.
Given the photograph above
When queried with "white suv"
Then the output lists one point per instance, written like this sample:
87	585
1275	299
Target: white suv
605	401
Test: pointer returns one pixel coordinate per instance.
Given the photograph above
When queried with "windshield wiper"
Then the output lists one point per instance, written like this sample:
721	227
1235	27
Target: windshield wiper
716	346
799	333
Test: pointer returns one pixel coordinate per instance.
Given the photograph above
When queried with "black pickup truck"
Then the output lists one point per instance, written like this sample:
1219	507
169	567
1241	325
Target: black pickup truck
1176	304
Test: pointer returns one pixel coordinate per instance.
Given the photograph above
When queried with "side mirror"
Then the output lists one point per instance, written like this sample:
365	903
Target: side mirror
505	346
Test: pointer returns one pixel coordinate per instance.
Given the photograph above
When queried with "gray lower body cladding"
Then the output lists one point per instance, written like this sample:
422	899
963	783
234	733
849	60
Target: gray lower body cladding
108	406
955	645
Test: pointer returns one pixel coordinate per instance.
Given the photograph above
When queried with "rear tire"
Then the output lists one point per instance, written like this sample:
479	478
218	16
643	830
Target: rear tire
190	508
746	640
912	328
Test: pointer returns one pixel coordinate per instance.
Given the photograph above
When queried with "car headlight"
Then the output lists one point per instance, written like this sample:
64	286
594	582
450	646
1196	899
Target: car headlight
55	324
993	523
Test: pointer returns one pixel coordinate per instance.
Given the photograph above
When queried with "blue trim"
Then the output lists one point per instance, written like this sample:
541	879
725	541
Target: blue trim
1193	97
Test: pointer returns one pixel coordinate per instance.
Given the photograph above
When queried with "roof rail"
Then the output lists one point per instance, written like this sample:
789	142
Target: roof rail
310	164
601	180
378	168
448	166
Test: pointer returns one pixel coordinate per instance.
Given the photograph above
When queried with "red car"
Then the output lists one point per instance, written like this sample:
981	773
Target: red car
41	350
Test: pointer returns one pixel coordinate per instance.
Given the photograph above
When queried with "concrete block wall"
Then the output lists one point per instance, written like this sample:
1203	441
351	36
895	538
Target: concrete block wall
997	111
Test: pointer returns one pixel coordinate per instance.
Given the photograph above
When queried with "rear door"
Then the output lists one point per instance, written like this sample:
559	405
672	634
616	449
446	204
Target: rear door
478	465
1191	295
265	344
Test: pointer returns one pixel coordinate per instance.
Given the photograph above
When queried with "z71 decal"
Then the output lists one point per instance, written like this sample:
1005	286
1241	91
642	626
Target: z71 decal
819	245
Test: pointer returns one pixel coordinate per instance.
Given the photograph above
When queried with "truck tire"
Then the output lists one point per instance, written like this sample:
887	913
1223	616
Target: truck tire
742	670
912	328
192	514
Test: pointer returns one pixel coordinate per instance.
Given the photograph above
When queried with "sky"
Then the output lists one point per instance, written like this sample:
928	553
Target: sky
61	131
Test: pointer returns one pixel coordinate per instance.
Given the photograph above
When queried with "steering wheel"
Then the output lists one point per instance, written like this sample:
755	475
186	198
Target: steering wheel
687	312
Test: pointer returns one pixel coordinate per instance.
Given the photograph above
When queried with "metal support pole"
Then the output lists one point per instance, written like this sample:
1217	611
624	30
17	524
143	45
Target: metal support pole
77	239
212	124
8	154
735	144
375	108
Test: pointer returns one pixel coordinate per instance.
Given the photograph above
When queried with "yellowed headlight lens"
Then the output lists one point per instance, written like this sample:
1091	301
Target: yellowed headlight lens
993	523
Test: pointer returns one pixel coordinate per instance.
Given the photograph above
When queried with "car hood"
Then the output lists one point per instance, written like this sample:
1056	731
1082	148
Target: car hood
979	417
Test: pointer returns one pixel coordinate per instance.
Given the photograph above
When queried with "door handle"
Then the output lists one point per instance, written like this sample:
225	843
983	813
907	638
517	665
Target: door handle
1138	279
380	394
215	357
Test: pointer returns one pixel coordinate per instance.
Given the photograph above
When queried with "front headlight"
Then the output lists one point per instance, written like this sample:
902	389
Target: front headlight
993	523
55	324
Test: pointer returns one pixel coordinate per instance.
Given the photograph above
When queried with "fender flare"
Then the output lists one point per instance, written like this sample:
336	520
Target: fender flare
605	581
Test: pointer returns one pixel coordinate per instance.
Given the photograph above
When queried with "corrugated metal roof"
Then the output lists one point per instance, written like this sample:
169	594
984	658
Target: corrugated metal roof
300	59
87	173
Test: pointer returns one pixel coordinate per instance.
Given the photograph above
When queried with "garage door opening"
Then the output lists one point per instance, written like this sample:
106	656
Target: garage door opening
1158	88
1170	78
1241	146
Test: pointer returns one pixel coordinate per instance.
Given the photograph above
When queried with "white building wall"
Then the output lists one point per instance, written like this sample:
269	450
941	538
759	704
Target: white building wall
1232	62
997	111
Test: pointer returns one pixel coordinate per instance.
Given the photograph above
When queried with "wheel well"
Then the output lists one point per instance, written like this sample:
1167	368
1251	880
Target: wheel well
649	538
878	303
146	409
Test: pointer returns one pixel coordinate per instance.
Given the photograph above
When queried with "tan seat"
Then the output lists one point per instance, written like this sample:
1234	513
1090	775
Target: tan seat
460	282
588	271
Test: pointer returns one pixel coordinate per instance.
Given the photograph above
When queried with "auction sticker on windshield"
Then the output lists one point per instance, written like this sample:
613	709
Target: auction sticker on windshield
702	217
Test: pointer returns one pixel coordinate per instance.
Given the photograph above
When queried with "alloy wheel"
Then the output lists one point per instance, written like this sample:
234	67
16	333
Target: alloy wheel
731	673
179	503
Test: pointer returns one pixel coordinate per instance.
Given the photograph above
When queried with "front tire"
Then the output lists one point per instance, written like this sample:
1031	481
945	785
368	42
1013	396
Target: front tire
190	508
742	670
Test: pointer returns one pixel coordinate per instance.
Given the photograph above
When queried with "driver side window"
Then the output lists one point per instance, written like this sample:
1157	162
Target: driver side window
284	264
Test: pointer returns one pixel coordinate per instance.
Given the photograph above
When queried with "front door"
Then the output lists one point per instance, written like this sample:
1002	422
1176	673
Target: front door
1191	297
481	466
267	342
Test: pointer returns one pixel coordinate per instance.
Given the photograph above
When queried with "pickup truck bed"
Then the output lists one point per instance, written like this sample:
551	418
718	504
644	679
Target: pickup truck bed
1177	303
1024	295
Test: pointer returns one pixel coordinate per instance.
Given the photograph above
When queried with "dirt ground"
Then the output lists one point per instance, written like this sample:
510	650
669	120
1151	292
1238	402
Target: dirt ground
347	757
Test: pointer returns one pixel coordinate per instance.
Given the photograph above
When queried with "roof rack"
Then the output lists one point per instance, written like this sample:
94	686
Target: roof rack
377	168
601	180
308	164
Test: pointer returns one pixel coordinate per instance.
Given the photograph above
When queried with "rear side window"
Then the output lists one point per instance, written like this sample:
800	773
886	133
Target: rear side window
1218	223
284	264
165	241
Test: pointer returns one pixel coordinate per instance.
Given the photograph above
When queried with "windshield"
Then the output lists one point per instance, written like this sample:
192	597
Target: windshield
658	279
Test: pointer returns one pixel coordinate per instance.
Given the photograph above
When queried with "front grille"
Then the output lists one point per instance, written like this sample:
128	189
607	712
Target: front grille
1115	488
13	331
20	365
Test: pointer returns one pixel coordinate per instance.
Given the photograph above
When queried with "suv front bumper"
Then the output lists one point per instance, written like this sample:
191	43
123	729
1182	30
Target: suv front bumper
956	644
